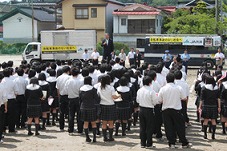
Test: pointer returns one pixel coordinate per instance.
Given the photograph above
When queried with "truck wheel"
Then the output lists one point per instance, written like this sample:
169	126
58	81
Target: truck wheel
210	64
32	62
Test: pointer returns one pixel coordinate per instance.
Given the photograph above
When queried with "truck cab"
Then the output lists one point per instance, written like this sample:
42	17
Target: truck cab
32	52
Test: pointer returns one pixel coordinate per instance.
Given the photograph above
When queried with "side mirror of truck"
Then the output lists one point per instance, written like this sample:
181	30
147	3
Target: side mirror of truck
27	52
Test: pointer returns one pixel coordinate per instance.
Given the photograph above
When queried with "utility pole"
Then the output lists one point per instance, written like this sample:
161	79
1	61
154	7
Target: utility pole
216	16
33	36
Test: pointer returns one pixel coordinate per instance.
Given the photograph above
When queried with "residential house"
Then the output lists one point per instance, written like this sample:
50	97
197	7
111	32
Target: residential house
168	9
47	5
89	15
4	9
20	27
135	21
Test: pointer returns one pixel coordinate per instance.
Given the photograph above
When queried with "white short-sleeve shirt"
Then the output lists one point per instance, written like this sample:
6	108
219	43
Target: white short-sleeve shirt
106	95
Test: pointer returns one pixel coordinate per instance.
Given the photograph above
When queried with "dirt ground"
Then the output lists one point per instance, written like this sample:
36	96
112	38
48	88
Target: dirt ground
54	140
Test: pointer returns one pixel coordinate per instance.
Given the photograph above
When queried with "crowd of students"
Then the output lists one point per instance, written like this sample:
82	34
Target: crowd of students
105	97
211	99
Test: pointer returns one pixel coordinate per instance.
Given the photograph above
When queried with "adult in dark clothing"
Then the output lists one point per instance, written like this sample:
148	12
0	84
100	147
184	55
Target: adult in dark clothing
137	58
89	98
108	47
210	105
33	94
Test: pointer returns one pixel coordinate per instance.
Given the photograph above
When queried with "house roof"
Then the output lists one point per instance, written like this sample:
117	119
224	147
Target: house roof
109	1
39	14
194	3
5	8
190	3
167	8
137	9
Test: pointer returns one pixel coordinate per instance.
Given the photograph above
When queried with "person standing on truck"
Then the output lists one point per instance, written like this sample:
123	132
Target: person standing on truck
219	56
167	58
95	57
108	47
185	58
85	56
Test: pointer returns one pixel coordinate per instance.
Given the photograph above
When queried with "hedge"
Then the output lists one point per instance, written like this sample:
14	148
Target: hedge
117	48
16	48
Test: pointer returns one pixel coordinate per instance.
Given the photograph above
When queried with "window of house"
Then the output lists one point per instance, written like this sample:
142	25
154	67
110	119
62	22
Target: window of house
141	26
93	12
123	22
81	13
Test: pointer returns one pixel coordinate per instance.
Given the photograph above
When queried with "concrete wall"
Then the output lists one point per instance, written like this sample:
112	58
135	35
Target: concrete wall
68	14
18	28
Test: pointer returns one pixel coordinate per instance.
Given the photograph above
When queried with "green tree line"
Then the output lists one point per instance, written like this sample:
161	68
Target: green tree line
198	20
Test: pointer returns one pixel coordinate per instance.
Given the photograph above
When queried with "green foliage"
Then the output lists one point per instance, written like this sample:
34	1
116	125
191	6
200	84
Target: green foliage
17	48
199	20
117	48
200	8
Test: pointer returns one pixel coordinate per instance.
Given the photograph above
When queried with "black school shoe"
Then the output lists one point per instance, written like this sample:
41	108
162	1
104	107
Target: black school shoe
189	145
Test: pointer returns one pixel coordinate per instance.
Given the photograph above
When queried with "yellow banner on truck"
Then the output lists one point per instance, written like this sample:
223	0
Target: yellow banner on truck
166	39
58	48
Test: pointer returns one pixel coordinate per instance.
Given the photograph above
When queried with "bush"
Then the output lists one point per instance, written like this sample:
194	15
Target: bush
117	48
16	48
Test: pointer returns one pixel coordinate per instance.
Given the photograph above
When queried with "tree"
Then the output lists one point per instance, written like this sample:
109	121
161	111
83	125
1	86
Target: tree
198	21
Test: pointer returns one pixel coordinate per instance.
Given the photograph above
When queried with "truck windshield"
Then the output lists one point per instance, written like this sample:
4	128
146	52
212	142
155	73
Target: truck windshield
31	48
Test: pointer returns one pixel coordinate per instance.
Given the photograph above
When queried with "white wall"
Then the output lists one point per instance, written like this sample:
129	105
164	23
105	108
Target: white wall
118	28
158	24
123	28
14	29
115	24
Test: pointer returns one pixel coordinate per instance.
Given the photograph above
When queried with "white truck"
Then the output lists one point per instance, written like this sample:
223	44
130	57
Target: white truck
60	45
